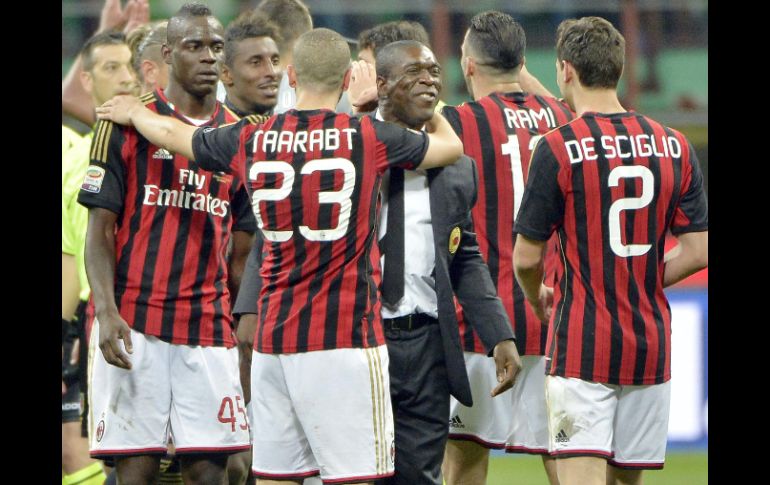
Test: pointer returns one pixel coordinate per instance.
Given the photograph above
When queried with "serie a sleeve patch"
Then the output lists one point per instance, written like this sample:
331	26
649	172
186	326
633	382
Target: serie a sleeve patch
93	179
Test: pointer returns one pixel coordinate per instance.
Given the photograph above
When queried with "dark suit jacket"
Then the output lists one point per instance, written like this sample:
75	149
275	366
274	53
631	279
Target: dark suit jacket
453	192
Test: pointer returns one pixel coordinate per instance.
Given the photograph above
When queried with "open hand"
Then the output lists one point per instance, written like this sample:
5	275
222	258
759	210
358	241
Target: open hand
362	89
118	109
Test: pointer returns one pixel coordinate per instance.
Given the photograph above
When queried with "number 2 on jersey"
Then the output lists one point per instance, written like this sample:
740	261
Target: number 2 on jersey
340	197
628	203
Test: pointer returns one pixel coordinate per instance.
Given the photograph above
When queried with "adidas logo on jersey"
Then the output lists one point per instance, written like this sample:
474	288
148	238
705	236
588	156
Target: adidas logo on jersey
561	437
163	154
455	422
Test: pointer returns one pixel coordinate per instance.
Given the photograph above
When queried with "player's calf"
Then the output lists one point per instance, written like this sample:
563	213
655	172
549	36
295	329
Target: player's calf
465	463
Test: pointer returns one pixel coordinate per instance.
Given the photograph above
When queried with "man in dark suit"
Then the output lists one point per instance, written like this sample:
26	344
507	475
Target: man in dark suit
431	211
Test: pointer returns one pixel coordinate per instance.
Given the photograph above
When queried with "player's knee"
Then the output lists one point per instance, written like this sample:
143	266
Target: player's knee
140	470
238	468
204	471
623	476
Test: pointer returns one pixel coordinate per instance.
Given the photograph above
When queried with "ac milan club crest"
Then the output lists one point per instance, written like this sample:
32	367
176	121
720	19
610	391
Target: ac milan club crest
100	430
454	240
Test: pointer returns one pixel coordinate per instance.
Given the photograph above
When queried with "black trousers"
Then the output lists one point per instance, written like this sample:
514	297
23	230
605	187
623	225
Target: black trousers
419	393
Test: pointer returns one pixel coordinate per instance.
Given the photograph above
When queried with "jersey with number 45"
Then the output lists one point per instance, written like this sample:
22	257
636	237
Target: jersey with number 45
313	178
612	185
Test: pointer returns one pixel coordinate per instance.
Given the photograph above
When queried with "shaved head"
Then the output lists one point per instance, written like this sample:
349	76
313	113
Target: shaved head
321	58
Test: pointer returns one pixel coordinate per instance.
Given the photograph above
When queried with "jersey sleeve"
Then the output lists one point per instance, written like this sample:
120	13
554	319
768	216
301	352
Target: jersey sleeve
243	215
216	149
691	214
542	205
398	147
104	183
452	115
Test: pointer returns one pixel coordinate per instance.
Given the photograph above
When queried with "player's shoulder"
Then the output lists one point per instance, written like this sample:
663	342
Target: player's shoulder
149	98
249	120
565	131
256	119
657	125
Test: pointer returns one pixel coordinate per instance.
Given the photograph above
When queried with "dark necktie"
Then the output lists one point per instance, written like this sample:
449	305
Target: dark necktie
393	274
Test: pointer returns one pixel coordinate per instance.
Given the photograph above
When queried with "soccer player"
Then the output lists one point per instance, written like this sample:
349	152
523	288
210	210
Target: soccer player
611	183
499	129
158	232
106	73
251	66
320	367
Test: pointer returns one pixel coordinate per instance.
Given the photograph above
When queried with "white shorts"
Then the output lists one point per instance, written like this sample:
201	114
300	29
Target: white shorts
529	424
132	412
488	421
324	412
627	425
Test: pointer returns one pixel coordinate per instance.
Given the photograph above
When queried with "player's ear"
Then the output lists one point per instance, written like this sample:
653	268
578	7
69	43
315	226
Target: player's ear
382	88
346	79
568	71
226	76
470	66
86	81
292	76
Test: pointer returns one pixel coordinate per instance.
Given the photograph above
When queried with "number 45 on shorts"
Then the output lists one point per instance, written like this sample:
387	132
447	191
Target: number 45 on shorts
227	413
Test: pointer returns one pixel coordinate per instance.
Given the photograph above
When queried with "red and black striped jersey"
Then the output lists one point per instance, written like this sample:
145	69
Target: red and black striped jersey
499	132
612	186
172	233
314	177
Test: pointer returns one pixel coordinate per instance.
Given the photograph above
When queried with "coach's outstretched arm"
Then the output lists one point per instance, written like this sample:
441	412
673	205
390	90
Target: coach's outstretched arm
444	147
163	131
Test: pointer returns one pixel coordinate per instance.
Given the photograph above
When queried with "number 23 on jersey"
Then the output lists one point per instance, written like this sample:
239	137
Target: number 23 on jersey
340	197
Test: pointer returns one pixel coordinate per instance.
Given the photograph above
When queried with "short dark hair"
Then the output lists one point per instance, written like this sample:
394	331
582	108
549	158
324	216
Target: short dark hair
383	34
595	48
497	40
292	18
111	37
388	56
248	25
143	37
186	11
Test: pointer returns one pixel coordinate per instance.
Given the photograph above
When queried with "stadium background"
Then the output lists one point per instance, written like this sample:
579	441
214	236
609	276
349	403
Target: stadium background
666	77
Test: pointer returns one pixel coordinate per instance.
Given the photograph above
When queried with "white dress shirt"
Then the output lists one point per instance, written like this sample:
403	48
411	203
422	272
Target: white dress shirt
419	251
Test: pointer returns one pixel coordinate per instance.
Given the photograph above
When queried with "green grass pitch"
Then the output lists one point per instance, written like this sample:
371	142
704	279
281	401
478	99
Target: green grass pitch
689	468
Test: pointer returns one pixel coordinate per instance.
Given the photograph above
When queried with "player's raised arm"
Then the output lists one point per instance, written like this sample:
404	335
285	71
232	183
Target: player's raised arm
163	131
444	147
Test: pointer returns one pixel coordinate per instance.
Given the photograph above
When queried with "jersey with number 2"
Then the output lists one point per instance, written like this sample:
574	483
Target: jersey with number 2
612	186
